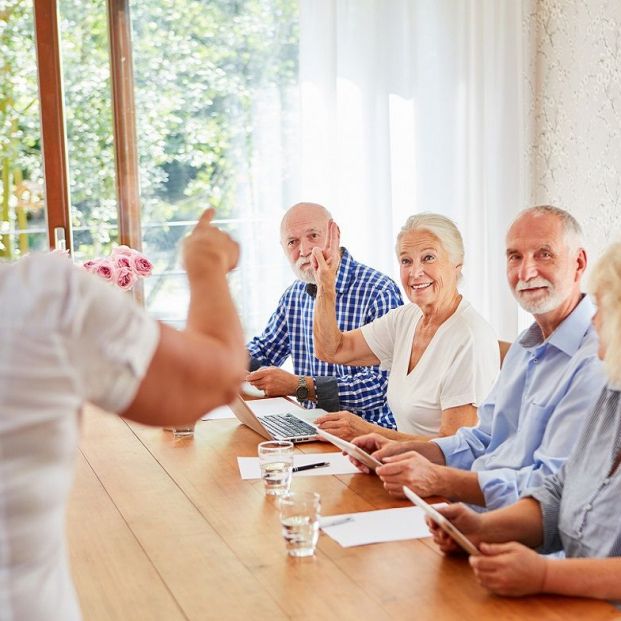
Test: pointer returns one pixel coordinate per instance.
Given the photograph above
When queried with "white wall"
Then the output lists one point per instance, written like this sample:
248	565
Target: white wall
572	75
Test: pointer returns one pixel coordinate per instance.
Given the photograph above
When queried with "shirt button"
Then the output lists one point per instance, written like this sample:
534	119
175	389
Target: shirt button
588	507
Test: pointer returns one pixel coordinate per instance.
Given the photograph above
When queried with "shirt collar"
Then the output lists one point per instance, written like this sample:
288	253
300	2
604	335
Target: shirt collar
345	273
569	334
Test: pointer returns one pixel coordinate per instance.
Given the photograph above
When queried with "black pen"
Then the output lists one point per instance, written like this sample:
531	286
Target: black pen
321	464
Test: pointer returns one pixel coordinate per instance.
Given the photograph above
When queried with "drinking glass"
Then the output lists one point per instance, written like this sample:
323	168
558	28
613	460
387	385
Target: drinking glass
299	516
183	432
276	461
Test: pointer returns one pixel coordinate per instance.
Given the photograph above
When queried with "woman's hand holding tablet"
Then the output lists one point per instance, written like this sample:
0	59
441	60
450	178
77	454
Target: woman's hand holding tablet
448	527
351	449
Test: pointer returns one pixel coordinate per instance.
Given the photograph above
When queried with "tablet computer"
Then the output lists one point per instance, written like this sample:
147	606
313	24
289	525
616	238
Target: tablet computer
351	449
442	522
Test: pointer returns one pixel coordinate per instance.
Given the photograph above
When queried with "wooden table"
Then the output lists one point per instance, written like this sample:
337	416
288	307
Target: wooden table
166	529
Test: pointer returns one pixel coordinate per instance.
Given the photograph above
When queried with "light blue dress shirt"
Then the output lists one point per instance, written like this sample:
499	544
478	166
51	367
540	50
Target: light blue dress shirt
536	410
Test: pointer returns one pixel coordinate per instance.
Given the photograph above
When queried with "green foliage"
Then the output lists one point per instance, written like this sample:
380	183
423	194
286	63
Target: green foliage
198	68
201	67
20	152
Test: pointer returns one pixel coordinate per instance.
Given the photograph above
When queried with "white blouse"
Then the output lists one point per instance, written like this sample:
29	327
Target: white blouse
458	367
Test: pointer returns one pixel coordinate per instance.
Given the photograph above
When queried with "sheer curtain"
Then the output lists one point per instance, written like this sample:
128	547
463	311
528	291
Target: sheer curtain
416	105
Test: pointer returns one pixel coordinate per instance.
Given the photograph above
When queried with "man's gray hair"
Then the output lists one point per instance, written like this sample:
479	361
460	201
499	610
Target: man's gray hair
605	283
571	227
440	226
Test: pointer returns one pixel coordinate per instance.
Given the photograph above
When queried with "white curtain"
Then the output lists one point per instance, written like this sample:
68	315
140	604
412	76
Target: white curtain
416	105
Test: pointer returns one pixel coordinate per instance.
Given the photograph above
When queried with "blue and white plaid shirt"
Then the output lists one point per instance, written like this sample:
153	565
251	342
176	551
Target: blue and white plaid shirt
362	295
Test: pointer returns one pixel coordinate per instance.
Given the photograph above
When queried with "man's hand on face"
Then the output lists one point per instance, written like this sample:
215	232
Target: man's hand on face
325	262
207	247
274	382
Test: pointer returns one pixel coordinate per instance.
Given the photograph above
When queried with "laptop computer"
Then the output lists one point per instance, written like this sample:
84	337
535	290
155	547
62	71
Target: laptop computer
296	426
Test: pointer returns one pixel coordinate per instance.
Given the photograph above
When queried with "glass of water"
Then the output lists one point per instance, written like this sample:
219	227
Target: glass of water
276	461
299	517
183	432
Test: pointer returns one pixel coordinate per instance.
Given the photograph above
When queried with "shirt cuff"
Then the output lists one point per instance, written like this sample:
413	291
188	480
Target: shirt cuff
327	393
550	516
254	364
497	491
457	454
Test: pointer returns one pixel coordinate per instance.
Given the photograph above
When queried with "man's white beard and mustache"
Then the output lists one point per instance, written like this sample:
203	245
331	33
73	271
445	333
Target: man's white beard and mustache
551	299
303	270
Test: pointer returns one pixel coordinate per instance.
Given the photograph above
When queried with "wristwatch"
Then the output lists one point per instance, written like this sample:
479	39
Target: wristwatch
301	393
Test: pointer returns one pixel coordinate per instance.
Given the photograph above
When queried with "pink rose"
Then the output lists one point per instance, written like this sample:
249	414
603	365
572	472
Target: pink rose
91	265
123	250
105	269
125	278
121	260
141	265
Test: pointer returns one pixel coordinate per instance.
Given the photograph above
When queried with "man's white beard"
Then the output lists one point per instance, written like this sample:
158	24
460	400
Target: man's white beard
305	275
552	299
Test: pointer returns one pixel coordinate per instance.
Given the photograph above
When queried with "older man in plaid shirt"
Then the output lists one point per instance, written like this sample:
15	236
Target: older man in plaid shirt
363	294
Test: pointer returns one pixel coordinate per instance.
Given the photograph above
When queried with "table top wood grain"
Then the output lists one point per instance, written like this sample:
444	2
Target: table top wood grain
166	529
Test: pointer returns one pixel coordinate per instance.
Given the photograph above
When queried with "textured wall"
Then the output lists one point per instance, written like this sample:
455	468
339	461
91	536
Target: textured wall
572	70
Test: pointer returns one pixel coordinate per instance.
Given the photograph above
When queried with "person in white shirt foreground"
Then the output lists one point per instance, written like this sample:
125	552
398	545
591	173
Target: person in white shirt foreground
442	356
68	338
575	510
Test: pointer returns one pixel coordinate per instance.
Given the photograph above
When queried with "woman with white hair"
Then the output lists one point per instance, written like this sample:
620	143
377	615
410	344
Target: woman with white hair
576	510
442	356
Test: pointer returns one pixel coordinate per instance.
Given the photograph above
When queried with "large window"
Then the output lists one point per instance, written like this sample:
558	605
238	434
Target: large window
22	214
84	46
216	105
216	118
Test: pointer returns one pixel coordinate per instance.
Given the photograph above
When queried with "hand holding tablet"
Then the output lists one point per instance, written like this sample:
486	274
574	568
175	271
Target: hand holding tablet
351	449
442	522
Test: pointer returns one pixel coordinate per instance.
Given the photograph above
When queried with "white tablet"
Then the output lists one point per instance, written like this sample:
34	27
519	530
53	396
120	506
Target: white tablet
351	449
442	522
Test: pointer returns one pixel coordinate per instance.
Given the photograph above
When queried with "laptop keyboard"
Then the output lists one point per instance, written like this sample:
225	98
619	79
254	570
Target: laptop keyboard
287	426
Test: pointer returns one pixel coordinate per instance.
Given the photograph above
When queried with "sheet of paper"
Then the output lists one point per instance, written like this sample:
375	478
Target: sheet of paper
339	464
376	526
273	405
219	413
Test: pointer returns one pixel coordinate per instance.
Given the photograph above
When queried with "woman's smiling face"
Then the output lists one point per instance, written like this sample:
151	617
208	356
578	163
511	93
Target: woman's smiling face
427	274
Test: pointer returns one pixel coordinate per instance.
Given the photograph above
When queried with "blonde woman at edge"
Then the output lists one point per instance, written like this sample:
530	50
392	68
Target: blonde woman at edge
442	356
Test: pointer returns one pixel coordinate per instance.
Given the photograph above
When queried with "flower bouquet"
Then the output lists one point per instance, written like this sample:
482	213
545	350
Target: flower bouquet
123	268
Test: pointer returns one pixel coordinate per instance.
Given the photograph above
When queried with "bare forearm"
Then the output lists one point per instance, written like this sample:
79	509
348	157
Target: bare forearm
189	374
212	313
521	522
585	577
429	450
395	434
461	485
326	334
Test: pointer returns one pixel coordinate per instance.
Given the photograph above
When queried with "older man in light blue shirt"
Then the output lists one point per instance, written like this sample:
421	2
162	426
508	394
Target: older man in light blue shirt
550	380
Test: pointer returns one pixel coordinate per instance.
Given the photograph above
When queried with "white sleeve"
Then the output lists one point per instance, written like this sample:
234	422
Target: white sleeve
472	373
109	341
380	336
